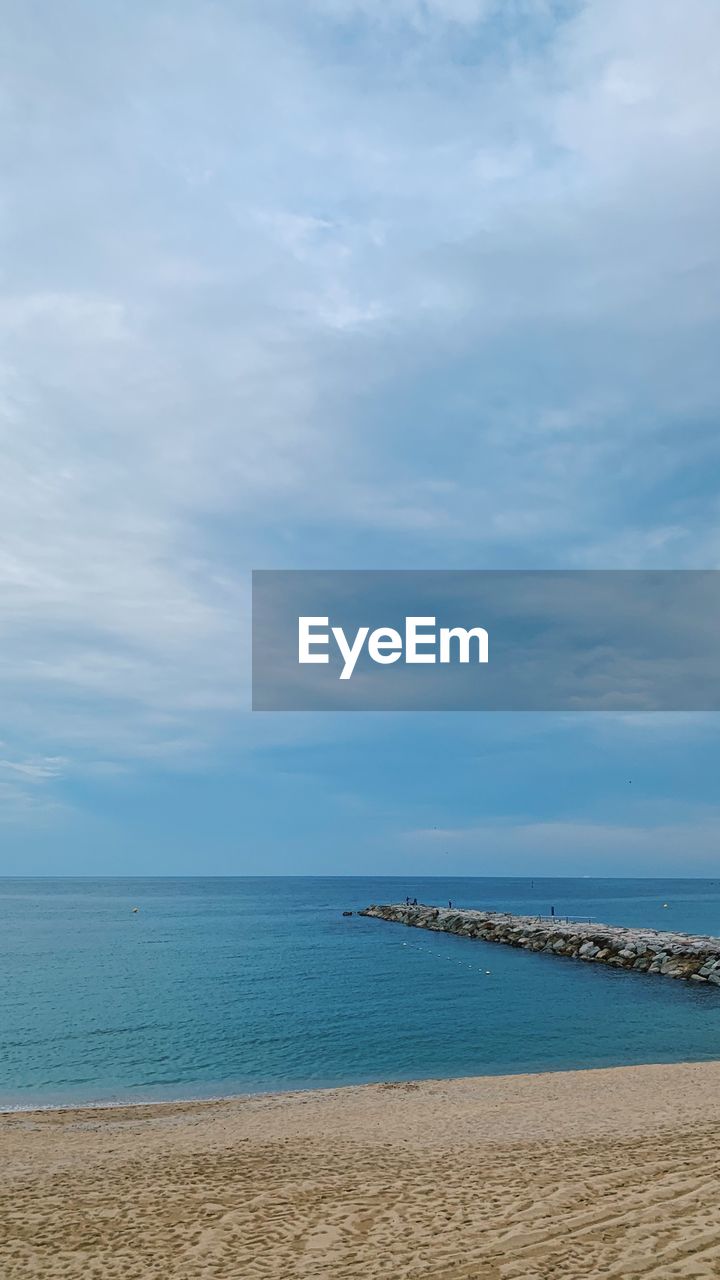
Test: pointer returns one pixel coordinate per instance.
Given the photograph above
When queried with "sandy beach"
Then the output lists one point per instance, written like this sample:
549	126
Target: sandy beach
609	1173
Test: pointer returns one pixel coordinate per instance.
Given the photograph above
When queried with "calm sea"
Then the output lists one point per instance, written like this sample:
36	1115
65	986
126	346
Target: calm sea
219	986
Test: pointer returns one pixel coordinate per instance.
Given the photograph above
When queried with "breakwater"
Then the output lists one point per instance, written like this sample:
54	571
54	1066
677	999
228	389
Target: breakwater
672	955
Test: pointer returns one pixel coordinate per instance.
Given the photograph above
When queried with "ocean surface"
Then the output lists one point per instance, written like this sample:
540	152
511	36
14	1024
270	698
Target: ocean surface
220	986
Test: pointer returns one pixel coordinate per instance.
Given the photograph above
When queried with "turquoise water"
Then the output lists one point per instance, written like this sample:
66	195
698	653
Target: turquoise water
233	985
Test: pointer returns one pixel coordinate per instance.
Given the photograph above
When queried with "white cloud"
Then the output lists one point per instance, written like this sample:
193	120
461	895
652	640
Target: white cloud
448	287
418	13
33	770
576	848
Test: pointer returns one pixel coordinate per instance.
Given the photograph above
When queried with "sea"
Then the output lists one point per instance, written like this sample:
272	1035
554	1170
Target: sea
141	990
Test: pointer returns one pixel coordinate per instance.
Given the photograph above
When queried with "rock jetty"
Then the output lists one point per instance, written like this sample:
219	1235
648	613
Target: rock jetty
673	955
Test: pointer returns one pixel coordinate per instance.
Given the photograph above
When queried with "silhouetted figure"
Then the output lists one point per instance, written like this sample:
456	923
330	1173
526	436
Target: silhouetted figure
414	902
449	904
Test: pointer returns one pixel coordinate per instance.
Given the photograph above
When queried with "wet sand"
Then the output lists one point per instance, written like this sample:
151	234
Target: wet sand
560	1176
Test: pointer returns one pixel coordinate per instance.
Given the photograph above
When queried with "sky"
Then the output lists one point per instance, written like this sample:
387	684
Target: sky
344	284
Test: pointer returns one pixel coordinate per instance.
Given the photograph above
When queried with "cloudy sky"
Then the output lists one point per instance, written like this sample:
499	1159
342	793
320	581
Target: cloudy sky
344	284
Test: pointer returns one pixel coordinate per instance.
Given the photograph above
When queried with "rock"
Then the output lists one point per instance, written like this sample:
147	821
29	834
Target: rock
588	950
674	955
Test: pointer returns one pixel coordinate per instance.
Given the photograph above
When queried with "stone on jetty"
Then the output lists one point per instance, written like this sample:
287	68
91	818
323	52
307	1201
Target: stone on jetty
672	955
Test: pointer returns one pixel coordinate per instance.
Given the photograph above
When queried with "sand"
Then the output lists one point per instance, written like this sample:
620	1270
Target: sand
609	1174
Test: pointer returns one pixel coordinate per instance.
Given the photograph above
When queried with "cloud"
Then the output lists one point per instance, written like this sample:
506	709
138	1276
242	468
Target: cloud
33	770
407	283
574	848
419	14
28	795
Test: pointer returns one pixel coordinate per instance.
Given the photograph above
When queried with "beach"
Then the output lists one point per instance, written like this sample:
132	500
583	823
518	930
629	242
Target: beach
610	1173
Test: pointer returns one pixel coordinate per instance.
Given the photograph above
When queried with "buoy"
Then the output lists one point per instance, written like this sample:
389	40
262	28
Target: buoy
664	904
135	910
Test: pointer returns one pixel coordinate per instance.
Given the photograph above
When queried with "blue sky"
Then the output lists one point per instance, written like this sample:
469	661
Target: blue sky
344	284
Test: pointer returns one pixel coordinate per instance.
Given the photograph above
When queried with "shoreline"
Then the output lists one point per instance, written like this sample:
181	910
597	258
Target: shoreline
596	1172
214	1099
591	1080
